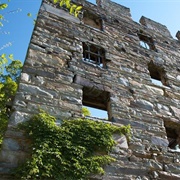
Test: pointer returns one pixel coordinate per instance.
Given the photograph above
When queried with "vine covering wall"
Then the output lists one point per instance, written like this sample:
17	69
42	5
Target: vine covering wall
74	150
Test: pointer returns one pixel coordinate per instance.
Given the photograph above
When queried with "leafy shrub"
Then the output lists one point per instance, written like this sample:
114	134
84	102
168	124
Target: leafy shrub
71	151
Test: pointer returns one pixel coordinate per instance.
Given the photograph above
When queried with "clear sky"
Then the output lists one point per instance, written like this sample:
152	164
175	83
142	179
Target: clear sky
18	26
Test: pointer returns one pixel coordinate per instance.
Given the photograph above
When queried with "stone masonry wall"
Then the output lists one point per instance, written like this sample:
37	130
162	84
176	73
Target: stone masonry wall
54	76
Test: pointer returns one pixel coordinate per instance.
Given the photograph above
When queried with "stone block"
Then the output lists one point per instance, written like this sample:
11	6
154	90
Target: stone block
10	144
121	140
178	35
25	77
18	117
159	141
167	175
114	8
176	112
140	103
13	158
59	12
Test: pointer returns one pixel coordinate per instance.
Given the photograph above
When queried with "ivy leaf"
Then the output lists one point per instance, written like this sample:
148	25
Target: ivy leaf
68	4
62	3
78	8
55	1
73	7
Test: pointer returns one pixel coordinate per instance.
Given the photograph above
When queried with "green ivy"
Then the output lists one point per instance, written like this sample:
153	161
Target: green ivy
86	111
72	151
73	8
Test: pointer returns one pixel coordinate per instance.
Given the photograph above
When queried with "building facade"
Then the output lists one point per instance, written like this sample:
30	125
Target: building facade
105	60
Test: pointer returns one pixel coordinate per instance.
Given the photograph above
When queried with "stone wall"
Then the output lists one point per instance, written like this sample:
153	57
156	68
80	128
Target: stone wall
56	75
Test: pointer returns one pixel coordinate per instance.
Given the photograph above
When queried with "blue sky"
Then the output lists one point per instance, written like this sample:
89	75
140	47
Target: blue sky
18	26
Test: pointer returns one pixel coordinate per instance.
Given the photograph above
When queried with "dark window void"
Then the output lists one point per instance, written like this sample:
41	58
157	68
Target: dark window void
157	74
97	99
146	42
173	135
94	55
92	20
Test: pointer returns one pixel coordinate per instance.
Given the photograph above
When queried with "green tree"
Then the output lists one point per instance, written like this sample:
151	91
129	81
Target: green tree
2	6
9	72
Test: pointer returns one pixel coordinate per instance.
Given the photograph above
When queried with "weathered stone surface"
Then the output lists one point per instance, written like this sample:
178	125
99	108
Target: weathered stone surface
166	175
154	90
155	26
178	35
158	61
34	90
176	111
124	81
59	12
159	141
140	103
18	117
57	79
178	77
13	158
11	144
153	165
25	77
121	140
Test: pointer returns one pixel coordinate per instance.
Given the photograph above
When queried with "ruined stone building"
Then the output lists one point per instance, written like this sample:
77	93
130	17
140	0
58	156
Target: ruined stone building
104	60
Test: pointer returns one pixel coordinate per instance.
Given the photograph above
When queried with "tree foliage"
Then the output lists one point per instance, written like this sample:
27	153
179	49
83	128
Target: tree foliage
2	7
71	151
9	73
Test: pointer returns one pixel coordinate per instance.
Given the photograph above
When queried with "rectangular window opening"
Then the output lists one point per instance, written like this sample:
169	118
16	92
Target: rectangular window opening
97	113
94	55
98	102
144	45
157	74
173	135
146	42
92	20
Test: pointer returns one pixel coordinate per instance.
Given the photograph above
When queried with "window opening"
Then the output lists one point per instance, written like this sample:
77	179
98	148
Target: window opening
173	135
157	74
146	42
94	112
144	45
92	20
97	101
94	55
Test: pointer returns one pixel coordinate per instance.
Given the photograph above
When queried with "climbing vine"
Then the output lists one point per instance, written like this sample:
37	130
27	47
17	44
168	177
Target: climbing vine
73	8
71	151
